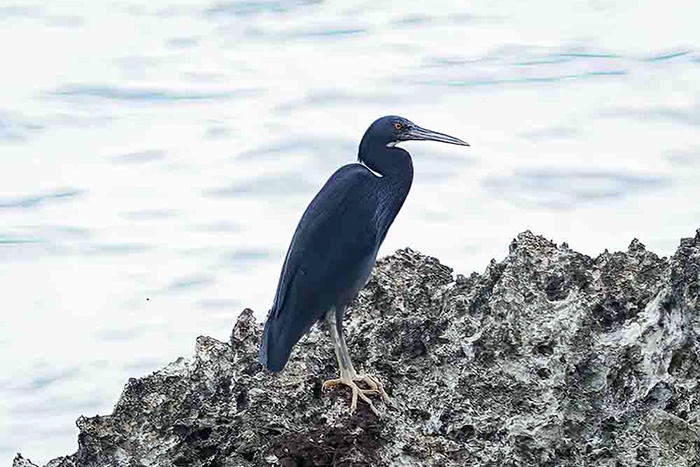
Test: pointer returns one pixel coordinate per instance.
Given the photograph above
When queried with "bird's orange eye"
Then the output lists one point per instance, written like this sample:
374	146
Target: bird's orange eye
398	126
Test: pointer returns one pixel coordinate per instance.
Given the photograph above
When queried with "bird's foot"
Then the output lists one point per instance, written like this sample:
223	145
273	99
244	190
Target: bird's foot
375	387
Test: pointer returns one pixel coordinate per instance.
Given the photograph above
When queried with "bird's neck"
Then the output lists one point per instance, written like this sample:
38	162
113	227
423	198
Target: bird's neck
393	164
395	167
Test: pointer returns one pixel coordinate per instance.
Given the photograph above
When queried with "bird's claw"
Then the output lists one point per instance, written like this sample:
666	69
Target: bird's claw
375	387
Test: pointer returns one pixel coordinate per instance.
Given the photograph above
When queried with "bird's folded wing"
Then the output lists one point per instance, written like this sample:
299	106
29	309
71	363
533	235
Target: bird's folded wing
336	229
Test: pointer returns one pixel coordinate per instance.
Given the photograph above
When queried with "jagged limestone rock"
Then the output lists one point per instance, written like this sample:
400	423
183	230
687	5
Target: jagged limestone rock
22	462
548	358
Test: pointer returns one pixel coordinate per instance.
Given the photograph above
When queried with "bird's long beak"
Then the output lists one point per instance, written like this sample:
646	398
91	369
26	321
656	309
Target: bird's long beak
421	134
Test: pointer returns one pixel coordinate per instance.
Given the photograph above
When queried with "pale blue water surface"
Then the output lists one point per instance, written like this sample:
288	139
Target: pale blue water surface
156	156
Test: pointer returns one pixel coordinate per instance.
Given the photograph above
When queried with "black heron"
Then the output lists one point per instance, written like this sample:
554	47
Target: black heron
335	246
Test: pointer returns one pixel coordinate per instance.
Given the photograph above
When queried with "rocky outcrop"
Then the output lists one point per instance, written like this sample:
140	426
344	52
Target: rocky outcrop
548	358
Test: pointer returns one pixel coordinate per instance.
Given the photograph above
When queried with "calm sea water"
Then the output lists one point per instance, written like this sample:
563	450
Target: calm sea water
156	156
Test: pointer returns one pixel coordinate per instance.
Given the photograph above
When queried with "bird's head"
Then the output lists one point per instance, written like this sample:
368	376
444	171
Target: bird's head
391	130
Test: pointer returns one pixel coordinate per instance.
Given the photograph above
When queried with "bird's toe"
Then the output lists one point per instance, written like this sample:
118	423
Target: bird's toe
376	387
357	392
331	383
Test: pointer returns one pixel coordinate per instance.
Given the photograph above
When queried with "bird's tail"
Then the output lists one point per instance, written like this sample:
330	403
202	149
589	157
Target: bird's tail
273	353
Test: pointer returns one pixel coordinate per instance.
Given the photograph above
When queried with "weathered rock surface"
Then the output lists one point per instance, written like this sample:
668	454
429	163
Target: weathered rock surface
548	358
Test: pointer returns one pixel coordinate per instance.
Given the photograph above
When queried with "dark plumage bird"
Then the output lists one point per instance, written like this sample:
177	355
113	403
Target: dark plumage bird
335	246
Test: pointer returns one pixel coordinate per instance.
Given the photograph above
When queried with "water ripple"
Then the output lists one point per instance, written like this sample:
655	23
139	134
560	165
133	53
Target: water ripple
139	157
15	129
219	304
324	31
186	42
687	116
15	11
551	133
413	21
189	282
33	201
248	8
245	256
151	214
685	158
46	407
267	186
308	145
562	188
666	56
144	94
49	378
122	334
525	80
117	248
12	240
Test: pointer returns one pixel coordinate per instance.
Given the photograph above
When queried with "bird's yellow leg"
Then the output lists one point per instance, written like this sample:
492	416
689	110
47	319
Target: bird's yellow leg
348	376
